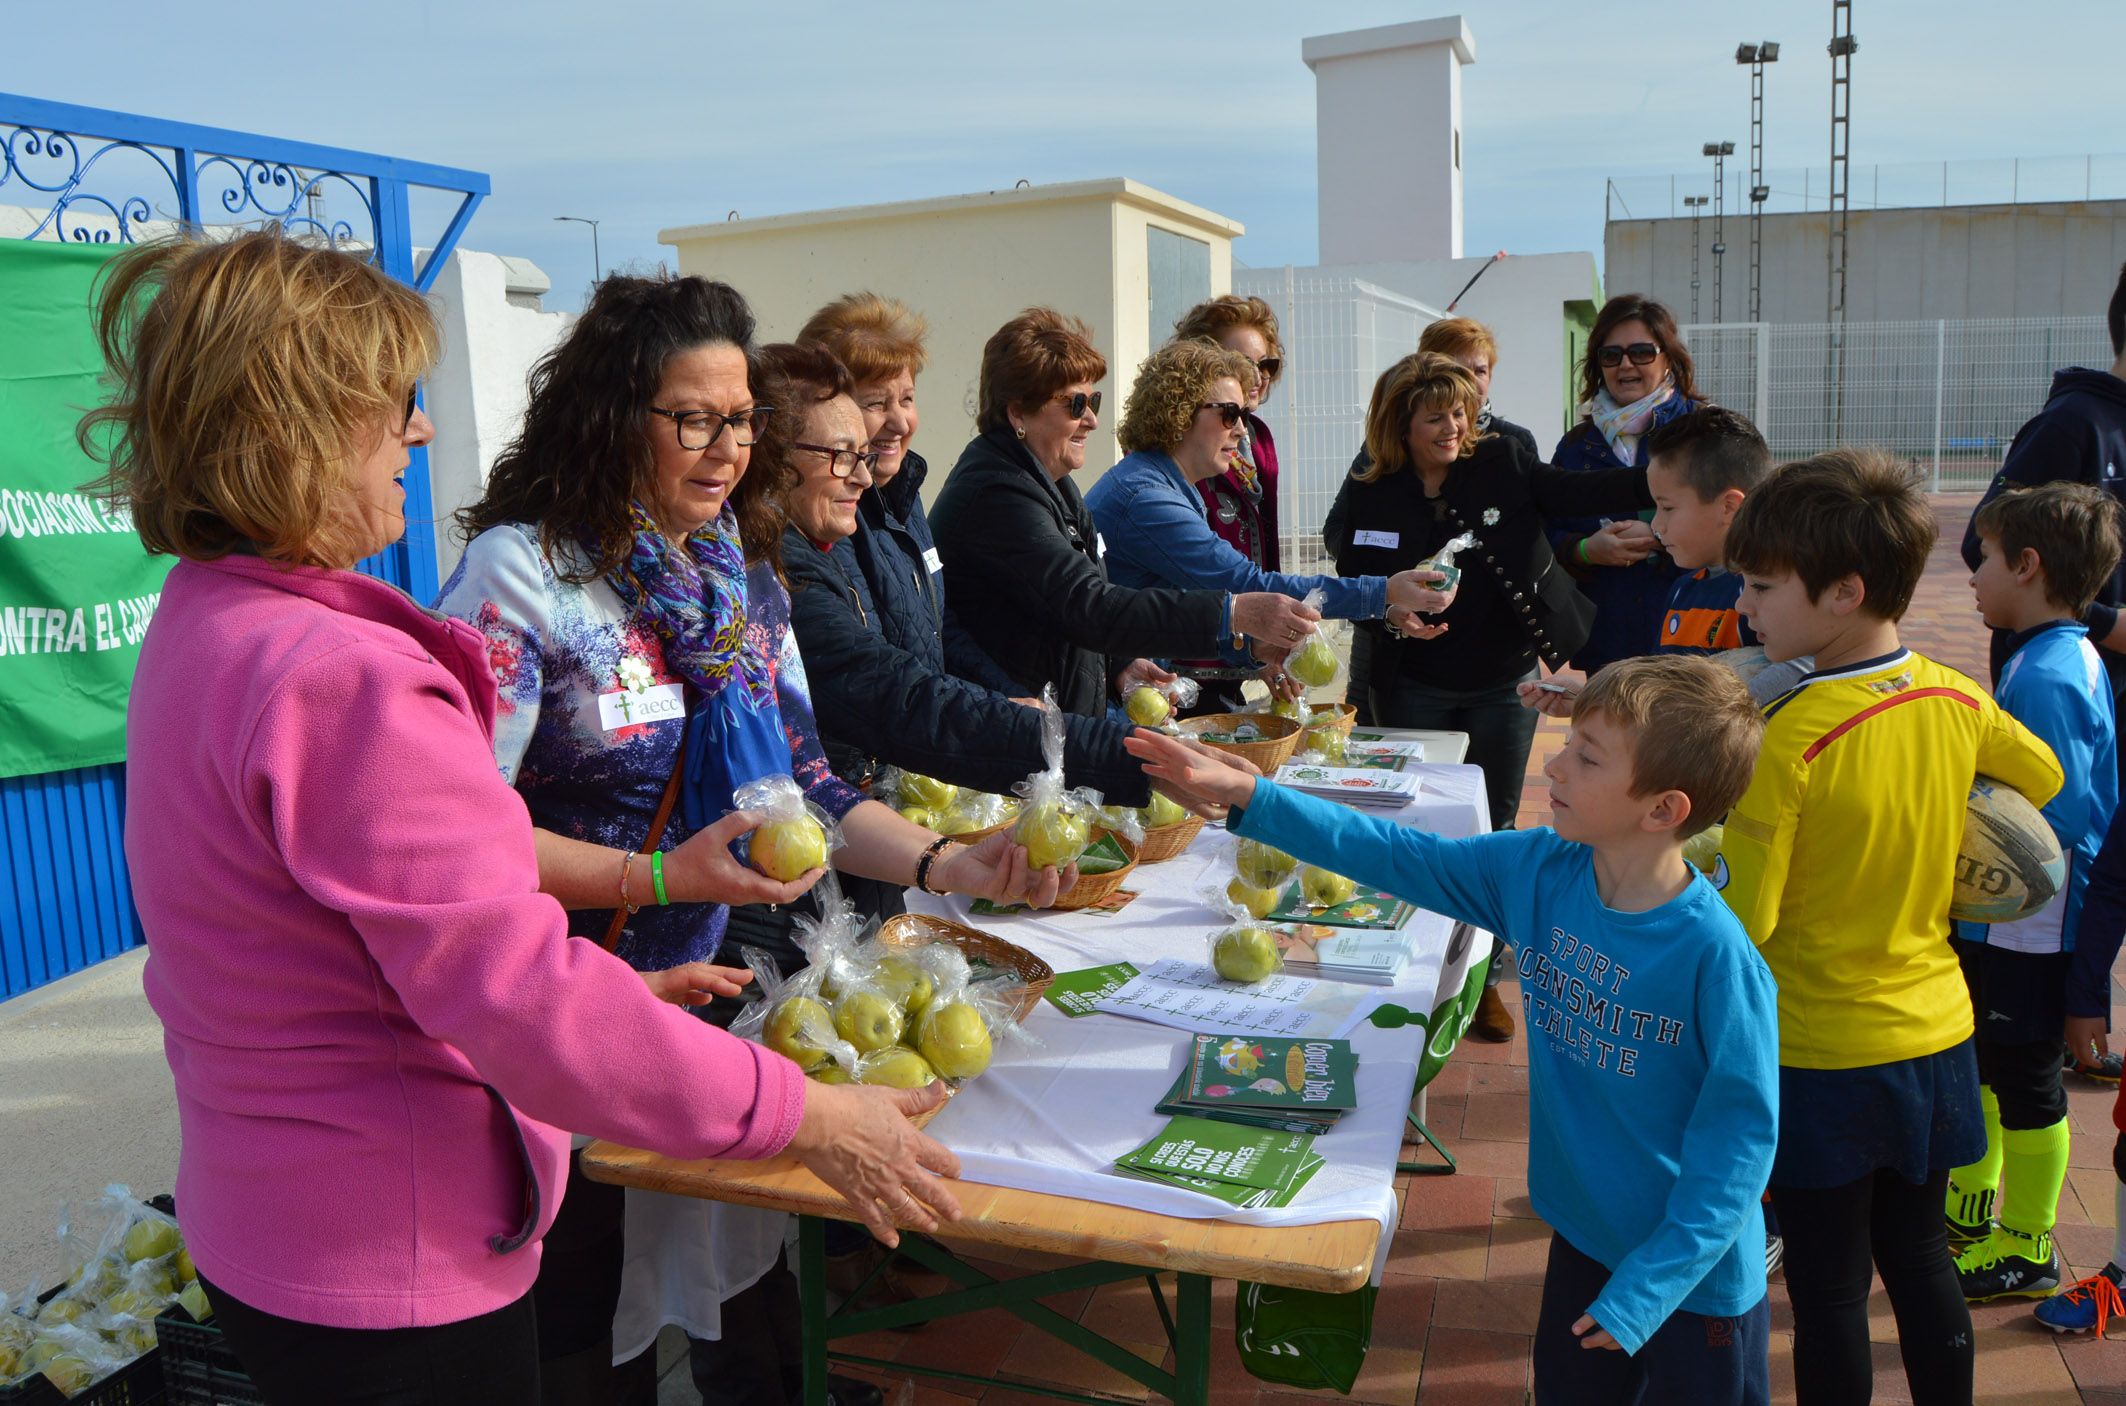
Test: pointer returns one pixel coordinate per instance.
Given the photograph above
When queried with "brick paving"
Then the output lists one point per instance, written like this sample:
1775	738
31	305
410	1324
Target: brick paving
1458	1302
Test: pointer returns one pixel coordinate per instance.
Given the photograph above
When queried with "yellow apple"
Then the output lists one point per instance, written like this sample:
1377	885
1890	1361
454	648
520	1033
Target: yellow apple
1246	953
183	1265
1258	902
895	1067
194	1299
1053	836
799	1029
1324	889
1262	866
905	982
784	849
1147	706
1330	742
1293	708
148	1238
869	1020
955	1040
1164	810
833	1074
916	815
927	791
1313	663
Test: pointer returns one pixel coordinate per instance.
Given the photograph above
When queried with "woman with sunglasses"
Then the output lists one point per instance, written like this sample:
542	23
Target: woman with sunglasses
1183	427
621	567
1024	561
1637	376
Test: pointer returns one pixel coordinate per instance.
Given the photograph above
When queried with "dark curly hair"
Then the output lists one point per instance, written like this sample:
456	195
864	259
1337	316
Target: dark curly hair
583	452
795	376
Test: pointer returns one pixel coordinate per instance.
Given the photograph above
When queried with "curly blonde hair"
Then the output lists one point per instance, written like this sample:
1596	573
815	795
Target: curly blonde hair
248	377
1421	381
1171	384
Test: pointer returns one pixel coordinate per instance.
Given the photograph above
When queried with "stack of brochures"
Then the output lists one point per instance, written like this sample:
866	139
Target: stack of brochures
1368	787
1285	1085
1248	1168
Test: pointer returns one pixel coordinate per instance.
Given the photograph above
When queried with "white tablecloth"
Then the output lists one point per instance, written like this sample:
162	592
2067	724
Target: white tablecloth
1054	1118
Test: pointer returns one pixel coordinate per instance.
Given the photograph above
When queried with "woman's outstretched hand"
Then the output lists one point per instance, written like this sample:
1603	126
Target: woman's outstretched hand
857	1139
997	869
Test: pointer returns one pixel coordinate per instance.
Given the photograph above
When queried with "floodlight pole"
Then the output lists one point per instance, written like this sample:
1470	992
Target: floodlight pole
1756	56
1842	47
1694	204
1719	152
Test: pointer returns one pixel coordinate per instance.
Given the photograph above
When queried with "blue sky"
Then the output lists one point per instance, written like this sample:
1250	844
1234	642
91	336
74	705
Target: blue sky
651	115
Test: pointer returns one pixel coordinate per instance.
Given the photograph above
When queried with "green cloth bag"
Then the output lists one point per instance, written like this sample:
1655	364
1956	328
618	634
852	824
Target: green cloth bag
1298	1337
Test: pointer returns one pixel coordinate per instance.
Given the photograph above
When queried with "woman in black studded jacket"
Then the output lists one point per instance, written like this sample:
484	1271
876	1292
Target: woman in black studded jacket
1424	478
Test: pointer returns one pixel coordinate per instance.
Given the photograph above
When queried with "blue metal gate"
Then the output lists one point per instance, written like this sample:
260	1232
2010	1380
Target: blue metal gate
92	176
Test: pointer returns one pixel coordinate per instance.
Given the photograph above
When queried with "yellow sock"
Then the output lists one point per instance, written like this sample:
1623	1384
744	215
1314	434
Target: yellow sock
2034	1169
1971	1188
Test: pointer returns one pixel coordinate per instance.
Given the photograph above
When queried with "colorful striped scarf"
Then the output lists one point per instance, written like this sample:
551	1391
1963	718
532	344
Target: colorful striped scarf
695	599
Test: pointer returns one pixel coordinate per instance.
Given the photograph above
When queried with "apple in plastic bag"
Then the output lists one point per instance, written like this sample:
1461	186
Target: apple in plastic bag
1163	811
1313	663
927	791
1258	902
798	1029
194	1299
149	1238
869	1020
1147	706
784	849
1330	742
955	1039
906	982
916	815
1053	836
895	1067
1245	953
1293	708
1323	889
1262	866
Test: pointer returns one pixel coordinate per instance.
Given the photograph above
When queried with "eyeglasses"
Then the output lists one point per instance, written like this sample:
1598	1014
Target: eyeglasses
1227	411
698	429
1078	403
842	462
1269	366
1641	354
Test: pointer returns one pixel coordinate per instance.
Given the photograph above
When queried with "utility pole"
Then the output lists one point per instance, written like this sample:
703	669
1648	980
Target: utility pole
1842	48
1719	152
1694	204
1756	56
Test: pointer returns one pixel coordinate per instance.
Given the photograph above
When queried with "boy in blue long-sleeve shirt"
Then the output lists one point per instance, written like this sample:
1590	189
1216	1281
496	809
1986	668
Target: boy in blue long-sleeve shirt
1652	1022
2043	554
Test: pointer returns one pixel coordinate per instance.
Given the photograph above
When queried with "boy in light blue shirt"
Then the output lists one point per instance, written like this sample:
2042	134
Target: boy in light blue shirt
1652	1022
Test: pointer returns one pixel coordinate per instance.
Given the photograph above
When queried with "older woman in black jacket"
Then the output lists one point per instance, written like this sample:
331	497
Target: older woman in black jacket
1022	557
1425	477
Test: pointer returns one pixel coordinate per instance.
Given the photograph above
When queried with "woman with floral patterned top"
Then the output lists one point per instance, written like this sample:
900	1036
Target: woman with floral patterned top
607	568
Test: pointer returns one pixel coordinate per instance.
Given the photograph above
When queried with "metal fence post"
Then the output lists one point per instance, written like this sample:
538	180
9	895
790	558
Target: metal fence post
1764	377
1941	376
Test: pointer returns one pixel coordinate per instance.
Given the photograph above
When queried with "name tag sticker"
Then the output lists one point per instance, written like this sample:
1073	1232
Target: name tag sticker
1367	537
1099	545
627	707
932	562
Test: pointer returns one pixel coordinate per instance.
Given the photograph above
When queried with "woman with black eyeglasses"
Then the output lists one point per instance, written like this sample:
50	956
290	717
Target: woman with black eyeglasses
1636	378
1024	561
1184	426
622	565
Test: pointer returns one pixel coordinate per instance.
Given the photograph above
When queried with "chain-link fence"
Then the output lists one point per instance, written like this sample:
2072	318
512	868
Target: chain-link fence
1947	395
1339	334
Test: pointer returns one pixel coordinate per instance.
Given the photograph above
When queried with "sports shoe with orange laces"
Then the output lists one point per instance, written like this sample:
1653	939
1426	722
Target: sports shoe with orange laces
2085	1306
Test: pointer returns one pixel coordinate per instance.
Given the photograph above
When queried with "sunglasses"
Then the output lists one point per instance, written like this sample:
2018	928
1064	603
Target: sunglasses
1079	403
1227	411
1269	366
1641	354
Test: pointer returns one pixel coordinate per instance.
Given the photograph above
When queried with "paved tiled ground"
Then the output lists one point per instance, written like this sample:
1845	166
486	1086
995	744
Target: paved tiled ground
1459	1300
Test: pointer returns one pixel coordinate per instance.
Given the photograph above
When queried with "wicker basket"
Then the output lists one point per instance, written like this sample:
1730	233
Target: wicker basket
975	837
1168	841
1280	738
1098	888
913	930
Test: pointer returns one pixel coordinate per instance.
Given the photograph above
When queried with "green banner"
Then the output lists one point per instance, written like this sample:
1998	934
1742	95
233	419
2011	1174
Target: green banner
76	590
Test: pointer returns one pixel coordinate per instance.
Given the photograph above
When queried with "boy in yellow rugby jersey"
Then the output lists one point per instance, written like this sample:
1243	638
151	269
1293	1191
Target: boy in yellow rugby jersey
1840	860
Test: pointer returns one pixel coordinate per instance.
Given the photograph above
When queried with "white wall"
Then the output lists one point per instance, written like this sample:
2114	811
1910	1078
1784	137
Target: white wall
493	331
1388	118
1523	301
2053	260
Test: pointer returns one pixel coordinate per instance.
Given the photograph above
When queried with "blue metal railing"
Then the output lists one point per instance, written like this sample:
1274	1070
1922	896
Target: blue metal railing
93	176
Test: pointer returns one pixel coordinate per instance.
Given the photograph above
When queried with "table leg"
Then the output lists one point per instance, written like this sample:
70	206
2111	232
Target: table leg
812	1300
1192	1340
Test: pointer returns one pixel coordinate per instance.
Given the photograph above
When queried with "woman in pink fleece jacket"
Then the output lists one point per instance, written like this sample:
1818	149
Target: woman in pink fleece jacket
377	1023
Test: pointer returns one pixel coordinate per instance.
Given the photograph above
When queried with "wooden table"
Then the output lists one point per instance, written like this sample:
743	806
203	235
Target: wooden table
1106	1244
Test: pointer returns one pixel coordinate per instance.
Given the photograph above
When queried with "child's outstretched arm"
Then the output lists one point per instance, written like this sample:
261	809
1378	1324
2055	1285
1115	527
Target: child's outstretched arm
1725	1162
1460	878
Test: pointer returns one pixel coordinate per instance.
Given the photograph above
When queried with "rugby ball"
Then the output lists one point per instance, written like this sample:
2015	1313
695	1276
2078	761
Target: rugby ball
2009	864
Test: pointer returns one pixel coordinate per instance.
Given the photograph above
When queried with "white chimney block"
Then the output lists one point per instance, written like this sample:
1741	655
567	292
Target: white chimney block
1388	128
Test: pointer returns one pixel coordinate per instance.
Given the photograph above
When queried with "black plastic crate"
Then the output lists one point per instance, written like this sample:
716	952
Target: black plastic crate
138	1383
198	1369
